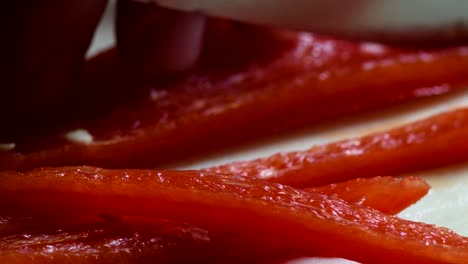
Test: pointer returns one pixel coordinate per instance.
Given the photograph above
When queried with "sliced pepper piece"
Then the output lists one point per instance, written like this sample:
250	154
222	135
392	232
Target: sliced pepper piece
133	240
40	241
386	194
304	220
246	86
430	143
79	239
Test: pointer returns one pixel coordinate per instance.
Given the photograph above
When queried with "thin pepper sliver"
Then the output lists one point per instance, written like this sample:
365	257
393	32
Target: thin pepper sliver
429	143
304	220
386	194
238	93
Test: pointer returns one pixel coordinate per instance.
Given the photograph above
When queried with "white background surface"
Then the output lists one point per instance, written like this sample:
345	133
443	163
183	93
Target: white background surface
335	15
445	205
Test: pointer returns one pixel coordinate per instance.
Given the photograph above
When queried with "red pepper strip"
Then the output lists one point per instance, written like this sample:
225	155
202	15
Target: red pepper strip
134	240
156	241
147	241
385	194
433	142
239	92
303	220
77	238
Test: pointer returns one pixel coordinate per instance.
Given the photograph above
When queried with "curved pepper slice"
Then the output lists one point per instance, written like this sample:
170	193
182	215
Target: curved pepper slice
303	220
246	86
433	142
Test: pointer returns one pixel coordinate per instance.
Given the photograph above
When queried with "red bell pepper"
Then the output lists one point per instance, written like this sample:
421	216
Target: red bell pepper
246	86
306	221
430	143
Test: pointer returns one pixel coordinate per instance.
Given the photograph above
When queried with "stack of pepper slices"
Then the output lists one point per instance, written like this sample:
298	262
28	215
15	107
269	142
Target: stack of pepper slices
318	202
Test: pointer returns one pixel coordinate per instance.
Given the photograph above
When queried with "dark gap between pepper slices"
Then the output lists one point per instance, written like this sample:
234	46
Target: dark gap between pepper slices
247	86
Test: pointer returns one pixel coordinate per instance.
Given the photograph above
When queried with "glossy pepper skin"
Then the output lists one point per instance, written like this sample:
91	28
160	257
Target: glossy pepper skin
429	143
386	194
53	239
247	85
115	239
306	221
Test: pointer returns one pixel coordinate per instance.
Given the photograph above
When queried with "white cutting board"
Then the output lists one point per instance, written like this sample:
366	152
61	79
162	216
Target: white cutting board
445	205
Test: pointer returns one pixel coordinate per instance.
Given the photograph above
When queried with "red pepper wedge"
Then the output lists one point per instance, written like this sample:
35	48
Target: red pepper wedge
304	220
244	88
429	143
